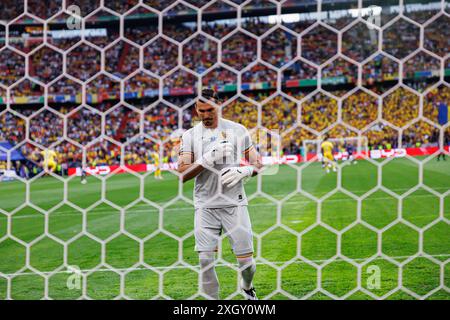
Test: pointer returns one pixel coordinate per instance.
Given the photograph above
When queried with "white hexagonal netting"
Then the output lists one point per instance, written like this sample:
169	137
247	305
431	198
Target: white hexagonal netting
110	86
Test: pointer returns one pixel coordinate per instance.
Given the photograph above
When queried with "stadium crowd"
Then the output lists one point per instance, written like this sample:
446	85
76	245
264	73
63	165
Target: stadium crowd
140	132
319	112
11	9
199	53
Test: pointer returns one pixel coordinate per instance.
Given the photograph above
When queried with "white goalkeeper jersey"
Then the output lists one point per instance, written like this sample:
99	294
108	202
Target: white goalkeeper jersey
208	191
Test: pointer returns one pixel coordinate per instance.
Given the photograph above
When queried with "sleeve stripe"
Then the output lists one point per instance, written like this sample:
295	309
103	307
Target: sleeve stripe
181	152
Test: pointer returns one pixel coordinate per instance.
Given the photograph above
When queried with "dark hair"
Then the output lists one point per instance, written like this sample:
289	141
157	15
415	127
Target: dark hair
210	94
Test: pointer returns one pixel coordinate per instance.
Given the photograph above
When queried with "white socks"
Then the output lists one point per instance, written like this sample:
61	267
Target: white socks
248	269
209	281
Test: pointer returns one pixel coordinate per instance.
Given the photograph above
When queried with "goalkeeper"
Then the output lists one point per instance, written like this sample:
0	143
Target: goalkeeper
211	152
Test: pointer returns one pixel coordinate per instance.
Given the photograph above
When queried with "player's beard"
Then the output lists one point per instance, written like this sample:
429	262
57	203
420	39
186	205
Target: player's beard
208	122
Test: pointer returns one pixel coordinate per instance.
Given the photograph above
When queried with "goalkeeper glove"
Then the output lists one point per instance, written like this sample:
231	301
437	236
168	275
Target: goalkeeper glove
221	150
231	176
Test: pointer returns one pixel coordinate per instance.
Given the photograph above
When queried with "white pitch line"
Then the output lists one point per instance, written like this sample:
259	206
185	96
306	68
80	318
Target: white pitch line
217	265
105	211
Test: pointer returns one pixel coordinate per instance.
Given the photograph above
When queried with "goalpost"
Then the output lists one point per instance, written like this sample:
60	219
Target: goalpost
341	147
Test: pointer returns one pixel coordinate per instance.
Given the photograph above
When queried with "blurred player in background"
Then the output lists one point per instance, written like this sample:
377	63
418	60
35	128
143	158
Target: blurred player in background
350	148
48	157
83	175
2	170
327	154
156	161
211	152
442	153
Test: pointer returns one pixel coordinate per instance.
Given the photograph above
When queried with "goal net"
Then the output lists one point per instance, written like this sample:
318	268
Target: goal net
96	95
343	149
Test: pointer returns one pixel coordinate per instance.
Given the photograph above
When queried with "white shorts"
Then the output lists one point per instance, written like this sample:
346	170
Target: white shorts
233	221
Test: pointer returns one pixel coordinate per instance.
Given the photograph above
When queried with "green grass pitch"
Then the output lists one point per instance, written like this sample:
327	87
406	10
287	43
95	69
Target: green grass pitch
298	246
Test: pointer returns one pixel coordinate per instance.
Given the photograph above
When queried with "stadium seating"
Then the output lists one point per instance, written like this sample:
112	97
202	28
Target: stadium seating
316	112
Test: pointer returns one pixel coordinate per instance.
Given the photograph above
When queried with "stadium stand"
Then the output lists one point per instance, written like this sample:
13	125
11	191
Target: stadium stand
160	55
